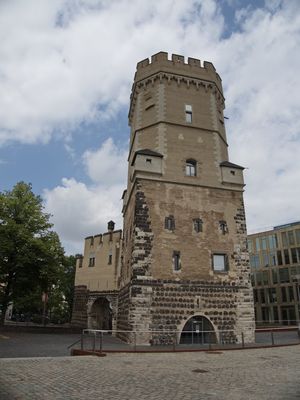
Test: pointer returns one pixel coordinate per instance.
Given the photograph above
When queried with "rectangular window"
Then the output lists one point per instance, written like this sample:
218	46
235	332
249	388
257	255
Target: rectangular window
272	295
258	278
284	275
291	293
250	246
262	296
265	313
284	239
92	262
283	294
272	241
291	238
279	257
255	296
272	258
220	262
170	223
254	260
264	243
275	314
265	278
80	262
274	276
286	256
257	244
298	253
297	236
176	261
197	225
294	255
265	256
188	113
190	167
110	258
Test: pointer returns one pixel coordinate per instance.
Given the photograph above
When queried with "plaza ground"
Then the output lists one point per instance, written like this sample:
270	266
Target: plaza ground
272	373
17	343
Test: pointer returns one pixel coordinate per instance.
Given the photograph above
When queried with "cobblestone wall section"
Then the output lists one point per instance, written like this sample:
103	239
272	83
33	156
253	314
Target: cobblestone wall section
245	304
79	314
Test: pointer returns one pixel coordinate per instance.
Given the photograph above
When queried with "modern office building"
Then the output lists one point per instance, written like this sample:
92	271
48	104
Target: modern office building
275	273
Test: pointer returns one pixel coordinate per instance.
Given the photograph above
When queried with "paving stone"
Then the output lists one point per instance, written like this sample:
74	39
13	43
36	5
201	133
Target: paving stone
263	374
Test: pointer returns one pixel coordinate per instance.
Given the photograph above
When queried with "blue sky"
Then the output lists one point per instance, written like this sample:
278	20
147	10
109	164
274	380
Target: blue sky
65	77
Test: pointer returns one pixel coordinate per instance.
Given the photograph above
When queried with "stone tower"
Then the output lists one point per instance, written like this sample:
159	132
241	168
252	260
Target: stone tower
185	261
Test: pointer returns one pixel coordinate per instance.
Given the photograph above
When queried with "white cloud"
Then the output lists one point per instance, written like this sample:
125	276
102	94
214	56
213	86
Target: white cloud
80	210
68	61
108	164
259	67
73	61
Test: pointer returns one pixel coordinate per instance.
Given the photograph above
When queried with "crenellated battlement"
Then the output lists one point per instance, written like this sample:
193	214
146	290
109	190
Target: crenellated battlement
105	238
160	62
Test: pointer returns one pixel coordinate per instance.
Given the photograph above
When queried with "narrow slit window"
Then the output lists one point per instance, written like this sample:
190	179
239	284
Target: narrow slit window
110	258
176	261
188	113
170	223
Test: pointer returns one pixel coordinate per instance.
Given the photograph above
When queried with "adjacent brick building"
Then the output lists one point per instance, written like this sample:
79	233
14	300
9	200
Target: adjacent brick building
184	264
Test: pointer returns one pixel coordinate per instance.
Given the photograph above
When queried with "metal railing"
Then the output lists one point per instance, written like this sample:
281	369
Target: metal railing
96	340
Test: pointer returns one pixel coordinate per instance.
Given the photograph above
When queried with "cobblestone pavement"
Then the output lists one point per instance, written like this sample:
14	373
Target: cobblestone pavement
272	373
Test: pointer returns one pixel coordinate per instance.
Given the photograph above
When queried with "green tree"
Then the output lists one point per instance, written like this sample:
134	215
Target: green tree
31	255
61	293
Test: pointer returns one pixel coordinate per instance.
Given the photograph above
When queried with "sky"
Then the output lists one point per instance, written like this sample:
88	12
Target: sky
66	70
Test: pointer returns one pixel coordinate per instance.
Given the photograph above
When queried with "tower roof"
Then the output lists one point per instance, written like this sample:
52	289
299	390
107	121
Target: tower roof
230	165
146	152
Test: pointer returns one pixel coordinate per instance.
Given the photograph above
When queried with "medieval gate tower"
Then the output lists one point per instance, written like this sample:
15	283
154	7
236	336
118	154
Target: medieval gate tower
185	259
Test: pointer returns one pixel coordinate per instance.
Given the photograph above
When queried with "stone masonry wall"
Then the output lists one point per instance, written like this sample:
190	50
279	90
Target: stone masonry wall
165	305
245	302
79	314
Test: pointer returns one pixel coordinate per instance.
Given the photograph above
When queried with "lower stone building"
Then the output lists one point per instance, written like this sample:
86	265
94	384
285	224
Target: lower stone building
96	281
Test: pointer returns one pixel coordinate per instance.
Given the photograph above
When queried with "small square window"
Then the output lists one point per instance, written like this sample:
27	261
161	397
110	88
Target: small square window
148	160
220	262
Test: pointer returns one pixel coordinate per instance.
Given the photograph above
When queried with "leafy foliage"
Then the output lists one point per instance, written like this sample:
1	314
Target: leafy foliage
32	260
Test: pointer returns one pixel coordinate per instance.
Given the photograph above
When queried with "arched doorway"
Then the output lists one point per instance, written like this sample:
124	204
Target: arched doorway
198	330
101	314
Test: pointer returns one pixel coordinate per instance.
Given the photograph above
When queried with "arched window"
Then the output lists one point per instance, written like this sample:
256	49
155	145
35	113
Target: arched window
190	167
